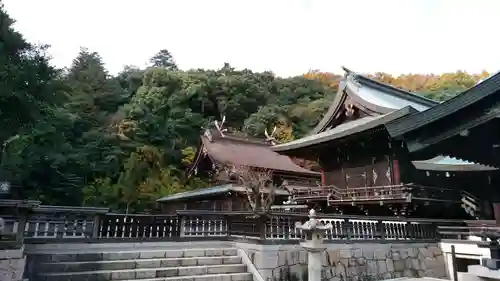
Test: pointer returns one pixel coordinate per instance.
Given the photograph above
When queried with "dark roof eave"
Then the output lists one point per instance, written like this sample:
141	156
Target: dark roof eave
333	110
465	99
354	130
305	171
310	173
217	190
65	209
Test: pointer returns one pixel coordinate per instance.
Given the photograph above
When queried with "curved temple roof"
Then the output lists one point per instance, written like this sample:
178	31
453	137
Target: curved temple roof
383	103
251	152
371	96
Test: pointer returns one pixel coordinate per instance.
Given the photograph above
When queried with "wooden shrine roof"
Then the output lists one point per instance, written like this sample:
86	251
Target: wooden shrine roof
372	96
381	102
240	150
384	106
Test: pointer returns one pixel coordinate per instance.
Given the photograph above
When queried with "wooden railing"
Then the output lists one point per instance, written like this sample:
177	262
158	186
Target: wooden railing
92	224
290	208
389	192
471	230
406	192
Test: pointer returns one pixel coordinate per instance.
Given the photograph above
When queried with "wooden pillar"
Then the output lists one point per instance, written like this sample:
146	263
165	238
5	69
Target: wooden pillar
323	182
496	212
395	172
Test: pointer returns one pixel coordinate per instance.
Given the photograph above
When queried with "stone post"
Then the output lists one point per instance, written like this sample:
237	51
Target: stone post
313	244
493	245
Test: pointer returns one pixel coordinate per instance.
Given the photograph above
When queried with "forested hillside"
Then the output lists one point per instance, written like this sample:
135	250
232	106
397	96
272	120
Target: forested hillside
82	136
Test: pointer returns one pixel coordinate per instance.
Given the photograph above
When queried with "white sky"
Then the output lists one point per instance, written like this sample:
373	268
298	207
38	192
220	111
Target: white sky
288	37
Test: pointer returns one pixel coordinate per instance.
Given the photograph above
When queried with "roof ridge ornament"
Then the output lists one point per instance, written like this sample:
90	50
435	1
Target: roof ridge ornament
349	109
219	126
347	70
208	134
270	138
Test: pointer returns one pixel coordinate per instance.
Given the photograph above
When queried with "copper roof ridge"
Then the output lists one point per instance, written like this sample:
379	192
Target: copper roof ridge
216	136
397	91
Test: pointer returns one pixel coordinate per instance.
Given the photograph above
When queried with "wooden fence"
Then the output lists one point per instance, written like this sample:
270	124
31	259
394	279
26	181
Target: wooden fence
470	230
92	224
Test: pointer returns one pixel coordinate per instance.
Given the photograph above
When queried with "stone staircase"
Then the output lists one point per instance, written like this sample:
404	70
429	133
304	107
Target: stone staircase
156	264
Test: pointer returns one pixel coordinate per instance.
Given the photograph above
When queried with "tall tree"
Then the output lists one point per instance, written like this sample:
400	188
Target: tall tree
163	59
34	147
27	86
94	95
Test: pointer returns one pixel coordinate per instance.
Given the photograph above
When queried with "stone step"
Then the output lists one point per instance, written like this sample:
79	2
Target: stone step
144	273
50	267
133	254
210	277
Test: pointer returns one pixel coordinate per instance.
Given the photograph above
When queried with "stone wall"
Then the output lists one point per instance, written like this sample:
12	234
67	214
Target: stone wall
349	262
12	264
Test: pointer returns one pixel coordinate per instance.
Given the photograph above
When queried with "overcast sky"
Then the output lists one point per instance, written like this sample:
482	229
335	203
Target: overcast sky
288	37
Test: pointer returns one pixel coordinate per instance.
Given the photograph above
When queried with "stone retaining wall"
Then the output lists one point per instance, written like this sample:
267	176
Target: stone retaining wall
349	262
12	264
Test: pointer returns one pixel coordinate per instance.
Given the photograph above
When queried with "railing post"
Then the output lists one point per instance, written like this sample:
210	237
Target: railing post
286	230
228	225
178	226
435	230
454	263
97	225
261	224
348	229
380	230
410	233
59	227
21	226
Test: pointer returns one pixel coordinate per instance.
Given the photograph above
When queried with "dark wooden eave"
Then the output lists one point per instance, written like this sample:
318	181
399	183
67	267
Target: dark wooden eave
209	192
465	127
486	91
347	129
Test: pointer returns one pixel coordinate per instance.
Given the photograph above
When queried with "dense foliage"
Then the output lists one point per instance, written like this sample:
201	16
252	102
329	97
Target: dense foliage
82	136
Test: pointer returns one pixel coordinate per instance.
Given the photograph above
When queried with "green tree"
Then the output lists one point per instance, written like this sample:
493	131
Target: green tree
163	59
